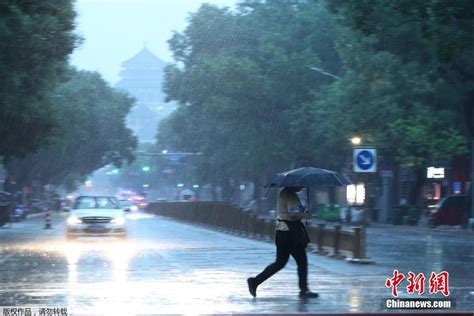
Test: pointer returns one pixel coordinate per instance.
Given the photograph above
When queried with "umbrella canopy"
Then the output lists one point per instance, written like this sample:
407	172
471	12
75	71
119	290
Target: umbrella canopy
308	177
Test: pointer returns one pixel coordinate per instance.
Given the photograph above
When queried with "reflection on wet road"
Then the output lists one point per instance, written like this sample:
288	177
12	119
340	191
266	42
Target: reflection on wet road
169	267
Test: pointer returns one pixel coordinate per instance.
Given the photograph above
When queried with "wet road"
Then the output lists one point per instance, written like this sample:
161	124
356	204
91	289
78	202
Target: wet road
170	267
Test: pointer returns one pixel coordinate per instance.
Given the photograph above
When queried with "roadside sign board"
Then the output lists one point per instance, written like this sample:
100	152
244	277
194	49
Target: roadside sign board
365	160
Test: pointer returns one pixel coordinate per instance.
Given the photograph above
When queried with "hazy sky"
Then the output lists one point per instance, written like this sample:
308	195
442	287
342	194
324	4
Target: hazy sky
115	30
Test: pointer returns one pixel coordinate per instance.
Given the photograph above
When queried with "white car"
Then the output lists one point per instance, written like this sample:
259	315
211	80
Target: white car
96	216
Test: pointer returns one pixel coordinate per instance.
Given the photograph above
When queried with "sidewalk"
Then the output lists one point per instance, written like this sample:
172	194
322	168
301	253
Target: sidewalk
422	226
35	215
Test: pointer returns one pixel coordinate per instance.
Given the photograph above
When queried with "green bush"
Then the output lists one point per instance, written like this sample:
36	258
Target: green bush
328	212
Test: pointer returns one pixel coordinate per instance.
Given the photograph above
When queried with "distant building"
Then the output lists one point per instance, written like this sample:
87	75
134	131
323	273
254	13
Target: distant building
142	77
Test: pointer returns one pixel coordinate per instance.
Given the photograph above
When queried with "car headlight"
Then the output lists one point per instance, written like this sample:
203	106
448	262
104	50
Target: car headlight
72	220
133	208
119	220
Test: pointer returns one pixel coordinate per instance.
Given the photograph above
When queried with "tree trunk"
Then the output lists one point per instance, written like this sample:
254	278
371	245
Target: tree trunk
227	190
395	194
415	194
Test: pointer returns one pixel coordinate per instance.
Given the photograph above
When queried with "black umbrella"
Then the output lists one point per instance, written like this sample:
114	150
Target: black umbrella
308	177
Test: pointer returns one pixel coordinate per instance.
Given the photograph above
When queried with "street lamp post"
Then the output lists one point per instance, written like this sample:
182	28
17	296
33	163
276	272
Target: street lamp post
355	141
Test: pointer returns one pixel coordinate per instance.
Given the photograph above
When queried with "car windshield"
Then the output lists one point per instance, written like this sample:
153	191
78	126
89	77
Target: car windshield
96	202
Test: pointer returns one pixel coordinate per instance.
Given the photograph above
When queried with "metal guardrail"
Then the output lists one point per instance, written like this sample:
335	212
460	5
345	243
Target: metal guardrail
335	242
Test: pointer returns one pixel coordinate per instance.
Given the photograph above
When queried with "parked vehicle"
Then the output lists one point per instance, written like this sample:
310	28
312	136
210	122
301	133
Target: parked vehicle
5	205
19	213
38	206
451	210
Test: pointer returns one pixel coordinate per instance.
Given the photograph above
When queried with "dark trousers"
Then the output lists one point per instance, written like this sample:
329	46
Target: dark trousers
284	248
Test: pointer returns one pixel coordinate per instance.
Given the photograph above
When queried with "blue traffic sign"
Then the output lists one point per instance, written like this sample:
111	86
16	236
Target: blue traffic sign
365	160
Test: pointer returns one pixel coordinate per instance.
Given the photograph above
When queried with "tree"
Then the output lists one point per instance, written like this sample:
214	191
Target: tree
413	80
36	38
238	77
437	35
92	133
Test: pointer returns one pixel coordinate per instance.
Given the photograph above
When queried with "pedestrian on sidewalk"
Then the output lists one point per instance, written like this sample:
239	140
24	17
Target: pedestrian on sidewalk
291	239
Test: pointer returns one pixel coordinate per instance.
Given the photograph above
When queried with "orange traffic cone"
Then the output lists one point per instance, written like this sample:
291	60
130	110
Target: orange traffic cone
47	220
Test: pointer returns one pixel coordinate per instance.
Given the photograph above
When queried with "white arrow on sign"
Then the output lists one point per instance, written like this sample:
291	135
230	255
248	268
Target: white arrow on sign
366	160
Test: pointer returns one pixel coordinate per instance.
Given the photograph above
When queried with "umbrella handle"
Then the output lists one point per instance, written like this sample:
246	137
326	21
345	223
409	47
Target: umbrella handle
307	199
307	203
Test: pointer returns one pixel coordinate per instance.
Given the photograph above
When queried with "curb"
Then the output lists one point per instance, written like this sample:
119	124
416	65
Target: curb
441	228
35	215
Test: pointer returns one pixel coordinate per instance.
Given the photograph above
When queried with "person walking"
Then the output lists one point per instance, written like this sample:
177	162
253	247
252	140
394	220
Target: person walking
291	239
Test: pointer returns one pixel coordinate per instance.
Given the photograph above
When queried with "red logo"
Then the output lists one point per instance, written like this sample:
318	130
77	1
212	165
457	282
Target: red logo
438	282
416	283
394	282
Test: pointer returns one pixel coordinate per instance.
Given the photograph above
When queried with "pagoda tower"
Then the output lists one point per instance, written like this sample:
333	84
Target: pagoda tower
142	77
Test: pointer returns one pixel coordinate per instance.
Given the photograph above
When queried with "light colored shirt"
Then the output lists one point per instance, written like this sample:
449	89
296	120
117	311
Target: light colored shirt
288	202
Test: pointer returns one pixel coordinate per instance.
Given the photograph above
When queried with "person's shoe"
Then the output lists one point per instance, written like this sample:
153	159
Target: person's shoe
308	294
252	286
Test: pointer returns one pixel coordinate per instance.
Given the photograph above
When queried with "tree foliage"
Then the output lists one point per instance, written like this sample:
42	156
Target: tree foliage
436	36
239	77
412	61
36	38
278	84
91	133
